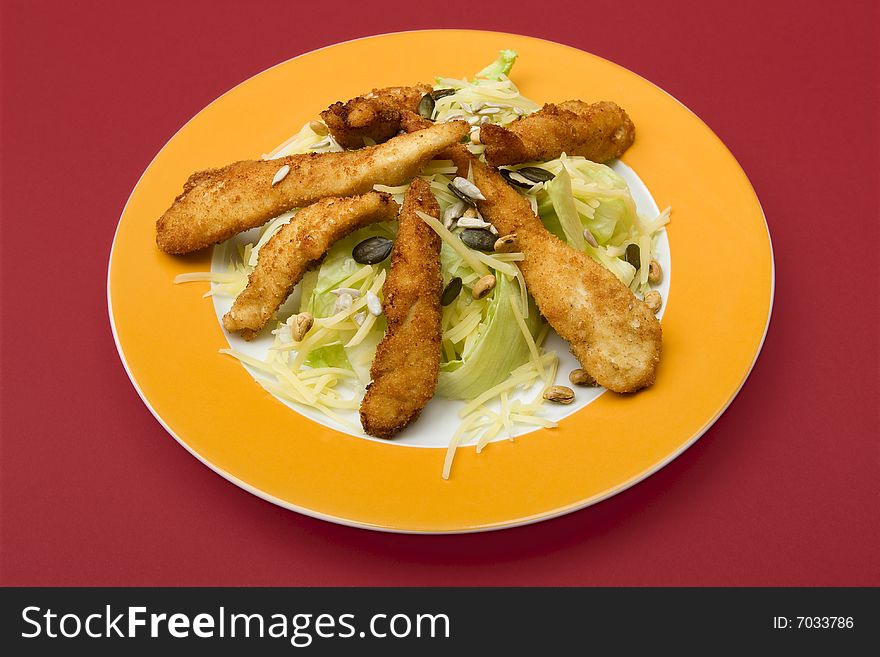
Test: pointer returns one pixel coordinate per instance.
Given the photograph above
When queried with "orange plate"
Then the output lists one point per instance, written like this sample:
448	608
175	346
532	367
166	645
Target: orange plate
168	336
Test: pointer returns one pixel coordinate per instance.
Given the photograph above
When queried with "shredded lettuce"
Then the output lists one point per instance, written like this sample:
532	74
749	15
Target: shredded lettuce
588	196
500	67
319	300
490	347
497	347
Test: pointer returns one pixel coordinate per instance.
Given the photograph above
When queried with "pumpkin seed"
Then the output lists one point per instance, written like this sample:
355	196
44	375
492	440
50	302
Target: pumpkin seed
633	255
478	239
451	291
535	174
437	94
467	188
506	174
461	196
426	106
372	250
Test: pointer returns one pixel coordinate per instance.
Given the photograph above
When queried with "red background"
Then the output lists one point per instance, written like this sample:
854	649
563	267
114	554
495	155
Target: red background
783	490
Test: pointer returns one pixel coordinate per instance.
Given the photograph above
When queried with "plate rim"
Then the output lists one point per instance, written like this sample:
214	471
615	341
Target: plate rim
548	515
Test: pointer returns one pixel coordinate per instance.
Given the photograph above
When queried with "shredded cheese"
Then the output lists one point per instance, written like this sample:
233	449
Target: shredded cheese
455	242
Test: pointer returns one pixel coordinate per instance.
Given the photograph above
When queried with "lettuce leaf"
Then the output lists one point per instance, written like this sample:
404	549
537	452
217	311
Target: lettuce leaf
500	66
499	348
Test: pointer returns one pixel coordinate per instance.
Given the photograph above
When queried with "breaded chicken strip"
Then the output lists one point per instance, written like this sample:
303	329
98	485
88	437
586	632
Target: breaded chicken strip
295	248
598	132
375	115
218	203
615	336
406	365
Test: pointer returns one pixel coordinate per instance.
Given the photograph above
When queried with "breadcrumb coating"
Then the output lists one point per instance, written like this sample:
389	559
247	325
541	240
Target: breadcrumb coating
598	132
295	248
219	203
405	368
375	115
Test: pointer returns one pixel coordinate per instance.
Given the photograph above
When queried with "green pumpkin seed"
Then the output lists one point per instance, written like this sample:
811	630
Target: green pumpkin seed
372	250
451	291
437	94
461	195
505	173
426	106
535	174
633	255
478	239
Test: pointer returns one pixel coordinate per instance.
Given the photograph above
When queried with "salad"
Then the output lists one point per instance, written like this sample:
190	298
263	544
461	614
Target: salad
494	359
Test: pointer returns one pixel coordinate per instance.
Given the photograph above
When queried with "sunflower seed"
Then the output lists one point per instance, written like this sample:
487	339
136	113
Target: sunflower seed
475	136
318	127
461	197
354	294
472	222
285	336
426	106
484	120
280	174
372	250
590	239
493	230
468	188
343	302
373	304
451	291
490	110
452	213
324	143
478	239
359	318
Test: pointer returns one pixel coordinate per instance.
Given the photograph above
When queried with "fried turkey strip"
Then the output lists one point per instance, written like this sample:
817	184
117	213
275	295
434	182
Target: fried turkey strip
598	132
296	247
405	368
375	115
614	335
218	203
